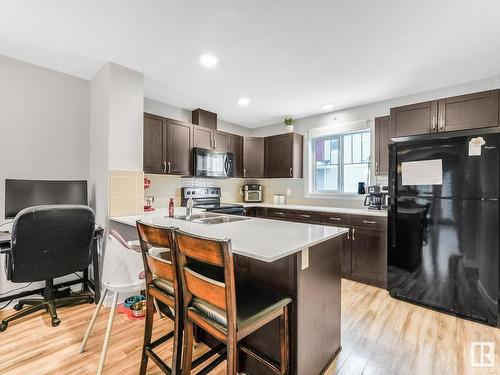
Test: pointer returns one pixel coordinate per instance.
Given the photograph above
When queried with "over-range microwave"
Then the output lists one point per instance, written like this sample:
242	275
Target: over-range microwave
209	163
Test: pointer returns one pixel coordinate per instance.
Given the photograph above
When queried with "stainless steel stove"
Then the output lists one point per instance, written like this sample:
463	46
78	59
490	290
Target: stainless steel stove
209	200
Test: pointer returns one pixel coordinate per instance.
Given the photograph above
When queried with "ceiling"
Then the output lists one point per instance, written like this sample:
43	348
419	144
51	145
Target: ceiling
288	56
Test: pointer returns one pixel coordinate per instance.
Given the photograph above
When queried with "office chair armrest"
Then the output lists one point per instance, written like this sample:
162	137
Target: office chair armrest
7	250
8	261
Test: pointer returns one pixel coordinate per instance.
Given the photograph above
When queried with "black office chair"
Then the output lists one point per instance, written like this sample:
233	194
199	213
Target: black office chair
49	242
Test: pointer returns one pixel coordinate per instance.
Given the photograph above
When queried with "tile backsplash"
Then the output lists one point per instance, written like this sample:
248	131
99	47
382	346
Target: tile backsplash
164	187
126	192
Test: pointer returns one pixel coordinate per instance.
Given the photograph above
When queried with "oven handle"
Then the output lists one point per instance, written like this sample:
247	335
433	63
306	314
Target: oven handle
226	164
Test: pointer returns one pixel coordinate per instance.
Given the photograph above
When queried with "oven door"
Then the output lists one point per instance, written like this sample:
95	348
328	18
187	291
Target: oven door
209	163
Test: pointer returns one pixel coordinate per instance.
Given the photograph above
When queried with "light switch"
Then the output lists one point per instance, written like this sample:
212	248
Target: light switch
288	192
305	258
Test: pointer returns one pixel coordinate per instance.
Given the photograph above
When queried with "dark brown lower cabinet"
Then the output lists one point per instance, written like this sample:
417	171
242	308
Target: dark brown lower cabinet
346	259
364	247
368	256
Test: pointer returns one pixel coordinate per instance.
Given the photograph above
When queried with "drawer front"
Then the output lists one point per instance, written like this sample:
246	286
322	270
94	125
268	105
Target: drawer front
281	214
371	222
308	216
336	219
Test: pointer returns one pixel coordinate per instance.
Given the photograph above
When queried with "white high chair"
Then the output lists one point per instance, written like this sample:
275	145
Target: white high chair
122	273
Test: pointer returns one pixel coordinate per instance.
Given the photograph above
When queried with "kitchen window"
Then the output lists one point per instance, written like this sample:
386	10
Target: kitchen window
340	161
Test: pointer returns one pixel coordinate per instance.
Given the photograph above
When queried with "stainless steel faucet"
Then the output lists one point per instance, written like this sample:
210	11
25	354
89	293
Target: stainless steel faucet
189	208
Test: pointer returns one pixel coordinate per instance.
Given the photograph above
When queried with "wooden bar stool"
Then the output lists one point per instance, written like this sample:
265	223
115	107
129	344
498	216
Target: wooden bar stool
163	285
226	308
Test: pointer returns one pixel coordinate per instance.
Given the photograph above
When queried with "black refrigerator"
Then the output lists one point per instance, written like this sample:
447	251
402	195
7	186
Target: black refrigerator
443	232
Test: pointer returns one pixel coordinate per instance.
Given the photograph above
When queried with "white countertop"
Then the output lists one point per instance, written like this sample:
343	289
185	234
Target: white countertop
263	239
338	210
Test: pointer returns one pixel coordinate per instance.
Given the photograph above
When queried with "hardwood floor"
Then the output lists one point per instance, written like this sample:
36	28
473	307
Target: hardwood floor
380	335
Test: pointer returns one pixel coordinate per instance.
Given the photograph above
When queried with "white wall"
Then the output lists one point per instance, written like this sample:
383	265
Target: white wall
44	124
99	144
44	131
125	118
181	114
166	110
116	121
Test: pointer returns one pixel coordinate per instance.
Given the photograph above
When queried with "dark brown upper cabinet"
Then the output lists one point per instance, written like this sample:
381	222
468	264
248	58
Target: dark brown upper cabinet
463	112
414	119
178	147
253	157
221	141
202	137
167	146
382	145
472	111
283	155
154	141
204	118
236	147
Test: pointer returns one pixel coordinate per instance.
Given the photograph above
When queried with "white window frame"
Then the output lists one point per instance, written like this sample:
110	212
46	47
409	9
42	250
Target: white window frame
309	159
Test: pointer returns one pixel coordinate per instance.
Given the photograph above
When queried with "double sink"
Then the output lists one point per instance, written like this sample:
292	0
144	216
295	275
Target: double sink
211	218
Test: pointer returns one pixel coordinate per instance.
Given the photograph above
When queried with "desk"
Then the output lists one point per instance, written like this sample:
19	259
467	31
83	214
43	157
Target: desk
94	284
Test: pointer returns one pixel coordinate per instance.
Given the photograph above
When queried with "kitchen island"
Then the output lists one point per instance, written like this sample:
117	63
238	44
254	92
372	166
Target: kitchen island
302	260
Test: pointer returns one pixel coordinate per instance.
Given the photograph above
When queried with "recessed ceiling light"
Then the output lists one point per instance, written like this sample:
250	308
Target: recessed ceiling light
327	107
208	60
243	101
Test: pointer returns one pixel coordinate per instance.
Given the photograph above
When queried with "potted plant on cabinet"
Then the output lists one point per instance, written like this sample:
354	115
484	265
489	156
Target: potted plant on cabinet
289	121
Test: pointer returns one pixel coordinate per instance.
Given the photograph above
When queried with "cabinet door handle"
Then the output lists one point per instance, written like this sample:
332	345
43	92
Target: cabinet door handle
376	166
335	218
304	215
441	123
244	172
279	213
215	143
353	237
168	167
291	172
433	123
368	222
348	231
164	167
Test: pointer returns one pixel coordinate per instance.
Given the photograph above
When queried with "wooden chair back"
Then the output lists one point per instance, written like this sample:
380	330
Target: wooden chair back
156	266
212	252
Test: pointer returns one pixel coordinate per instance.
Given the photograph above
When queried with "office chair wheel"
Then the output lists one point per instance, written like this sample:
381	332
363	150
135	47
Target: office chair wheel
3	326
56	322
18	306
91	300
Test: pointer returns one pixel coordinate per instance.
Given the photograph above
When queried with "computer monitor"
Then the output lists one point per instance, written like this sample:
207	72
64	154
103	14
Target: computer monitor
20	194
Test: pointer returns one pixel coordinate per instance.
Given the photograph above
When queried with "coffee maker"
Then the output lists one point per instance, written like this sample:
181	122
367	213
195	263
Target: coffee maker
377	198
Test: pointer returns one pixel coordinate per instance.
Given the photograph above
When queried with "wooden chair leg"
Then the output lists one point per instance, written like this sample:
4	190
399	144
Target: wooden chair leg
148	330
177	348
232	354
284	342
92	321
188	347
108	334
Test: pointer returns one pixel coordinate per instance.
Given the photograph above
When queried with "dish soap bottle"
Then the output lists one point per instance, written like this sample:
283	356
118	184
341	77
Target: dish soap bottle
171	207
